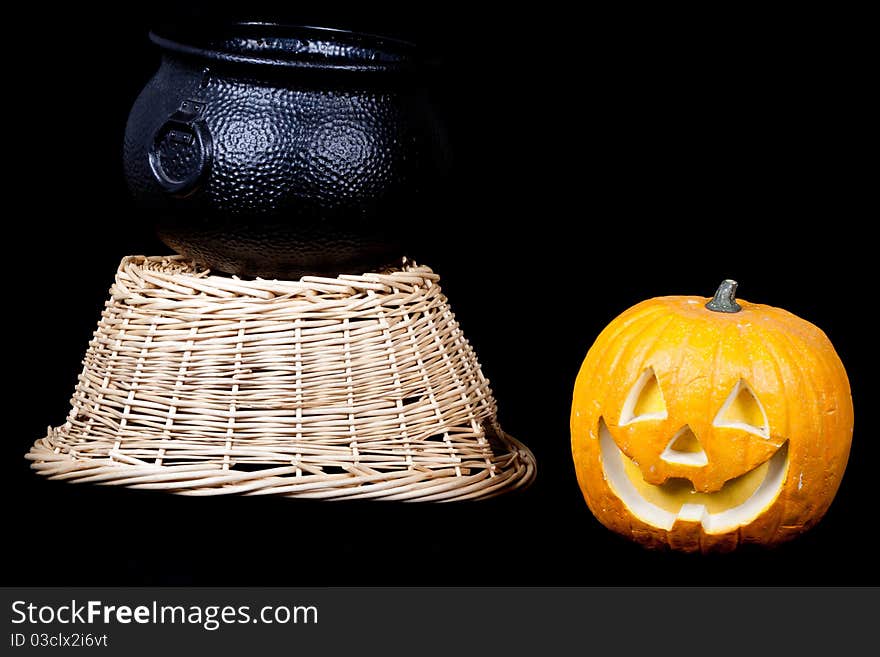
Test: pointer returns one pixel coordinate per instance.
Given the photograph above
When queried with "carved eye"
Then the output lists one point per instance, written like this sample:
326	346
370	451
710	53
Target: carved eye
743	410
645	400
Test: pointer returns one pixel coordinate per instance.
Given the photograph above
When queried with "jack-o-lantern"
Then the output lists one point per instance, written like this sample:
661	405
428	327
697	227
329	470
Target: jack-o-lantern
702	426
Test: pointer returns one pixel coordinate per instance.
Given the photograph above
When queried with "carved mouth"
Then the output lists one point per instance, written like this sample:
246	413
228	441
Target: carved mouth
737	503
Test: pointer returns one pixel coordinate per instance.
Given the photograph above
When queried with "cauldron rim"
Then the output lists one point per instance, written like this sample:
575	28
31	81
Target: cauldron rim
359	52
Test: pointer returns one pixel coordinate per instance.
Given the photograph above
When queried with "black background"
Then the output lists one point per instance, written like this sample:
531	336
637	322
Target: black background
600	158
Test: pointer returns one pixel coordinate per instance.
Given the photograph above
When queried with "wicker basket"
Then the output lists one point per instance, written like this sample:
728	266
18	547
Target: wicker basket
344	388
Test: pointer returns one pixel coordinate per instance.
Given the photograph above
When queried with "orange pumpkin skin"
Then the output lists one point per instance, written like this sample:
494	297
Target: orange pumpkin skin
699	358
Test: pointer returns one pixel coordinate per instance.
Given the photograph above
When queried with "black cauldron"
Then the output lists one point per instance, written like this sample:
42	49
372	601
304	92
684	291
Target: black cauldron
279	151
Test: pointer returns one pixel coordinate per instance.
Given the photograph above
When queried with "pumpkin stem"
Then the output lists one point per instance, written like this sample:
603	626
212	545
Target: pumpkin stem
724	300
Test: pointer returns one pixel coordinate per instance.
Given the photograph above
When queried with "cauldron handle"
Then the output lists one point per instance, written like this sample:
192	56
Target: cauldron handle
186	127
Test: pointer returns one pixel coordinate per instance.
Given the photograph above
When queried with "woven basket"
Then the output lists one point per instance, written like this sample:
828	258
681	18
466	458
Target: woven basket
351	387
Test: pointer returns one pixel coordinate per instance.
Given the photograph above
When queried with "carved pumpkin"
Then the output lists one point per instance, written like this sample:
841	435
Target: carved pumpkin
701	426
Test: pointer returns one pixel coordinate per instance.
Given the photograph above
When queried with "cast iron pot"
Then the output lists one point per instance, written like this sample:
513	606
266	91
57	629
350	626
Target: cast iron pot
280	151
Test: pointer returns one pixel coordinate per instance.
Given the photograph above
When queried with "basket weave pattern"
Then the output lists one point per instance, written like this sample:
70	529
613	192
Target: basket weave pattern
349	387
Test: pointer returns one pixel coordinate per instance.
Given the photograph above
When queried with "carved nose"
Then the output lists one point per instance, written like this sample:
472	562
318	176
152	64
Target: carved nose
685	449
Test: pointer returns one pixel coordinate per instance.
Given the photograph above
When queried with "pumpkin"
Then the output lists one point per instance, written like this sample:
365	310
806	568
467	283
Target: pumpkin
703	425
